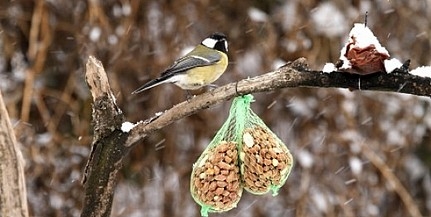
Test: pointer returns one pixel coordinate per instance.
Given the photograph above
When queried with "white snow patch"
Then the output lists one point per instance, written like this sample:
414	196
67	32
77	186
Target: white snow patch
306	42
345	61
303	107
287	12
418	110
350	106
305	159
355	165
320	201
116	11
43	138
112	39
355	148
121	10
392	64
329	67
120	30
290	45
127	9
127	126
347	93
364	37
155	27
414	167
395	137
257	15
328	20
373	210
423	71
250	63
56	201
19	67
95	33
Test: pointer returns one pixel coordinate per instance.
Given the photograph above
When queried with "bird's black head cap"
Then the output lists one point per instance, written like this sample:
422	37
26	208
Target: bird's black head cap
216	41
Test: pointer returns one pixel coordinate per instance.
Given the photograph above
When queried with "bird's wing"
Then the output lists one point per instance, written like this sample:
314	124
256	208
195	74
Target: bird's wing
191	61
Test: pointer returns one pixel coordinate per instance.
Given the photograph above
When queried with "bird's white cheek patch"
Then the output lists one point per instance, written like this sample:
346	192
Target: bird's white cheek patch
209	42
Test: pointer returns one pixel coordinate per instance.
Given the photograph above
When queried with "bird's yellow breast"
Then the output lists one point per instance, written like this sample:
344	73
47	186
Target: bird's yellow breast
201	76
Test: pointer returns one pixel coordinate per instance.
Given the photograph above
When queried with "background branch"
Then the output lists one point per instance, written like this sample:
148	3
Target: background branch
392	180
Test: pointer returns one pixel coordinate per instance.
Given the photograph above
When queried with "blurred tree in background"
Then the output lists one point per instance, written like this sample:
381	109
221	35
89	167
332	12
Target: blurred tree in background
44	45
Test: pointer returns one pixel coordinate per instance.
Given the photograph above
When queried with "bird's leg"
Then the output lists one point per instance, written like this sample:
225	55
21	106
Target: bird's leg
189	95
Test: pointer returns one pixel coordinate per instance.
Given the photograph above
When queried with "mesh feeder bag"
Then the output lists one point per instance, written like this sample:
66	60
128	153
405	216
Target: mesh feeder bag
265	161
244	153
215	182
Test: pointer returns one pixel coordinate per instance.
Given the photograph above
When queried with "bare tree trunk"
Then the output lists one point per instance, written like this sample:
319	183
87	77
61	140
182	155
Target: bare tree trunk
13	196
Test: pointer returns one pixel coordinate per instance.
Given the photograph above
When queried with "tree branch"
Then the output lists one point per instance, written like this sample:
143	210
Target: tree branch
107	152
294	74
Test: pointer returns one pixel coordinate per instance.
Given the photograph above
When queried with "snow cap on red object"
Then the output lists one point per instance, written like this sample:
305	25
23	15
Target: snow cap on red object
363	53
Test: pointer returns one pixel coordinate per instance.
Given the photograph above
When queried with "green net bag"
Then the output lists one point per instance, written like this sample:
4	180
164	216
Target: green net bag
265	161
244	153
215	182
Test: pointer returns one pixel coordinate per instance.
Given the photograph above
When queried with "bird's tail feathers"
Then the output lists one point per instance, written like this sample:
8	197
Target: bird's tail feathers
151	84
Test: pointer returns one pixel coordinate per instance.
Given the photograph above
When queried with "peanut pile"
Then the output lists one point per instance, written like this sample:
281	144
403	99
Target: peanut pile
215	180
265	163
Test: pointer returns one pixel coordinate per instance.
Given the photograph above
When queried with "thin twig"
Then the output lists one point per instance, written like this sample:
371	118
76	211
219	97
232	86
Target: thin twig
392	179
40	39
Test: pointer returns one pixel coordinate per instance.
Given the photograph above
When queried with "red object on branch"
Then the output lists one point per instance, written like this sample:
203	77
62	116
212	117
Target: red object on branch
365	60
363	53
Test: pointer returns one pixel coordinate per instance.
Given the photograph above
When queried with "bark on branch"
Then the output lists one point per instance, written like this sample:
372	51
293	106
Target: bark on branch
107	151
111	145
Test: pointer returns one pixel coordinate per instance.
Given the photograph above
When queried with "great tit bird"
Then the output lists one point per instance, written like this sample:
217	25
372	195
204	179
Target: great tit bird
200	67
